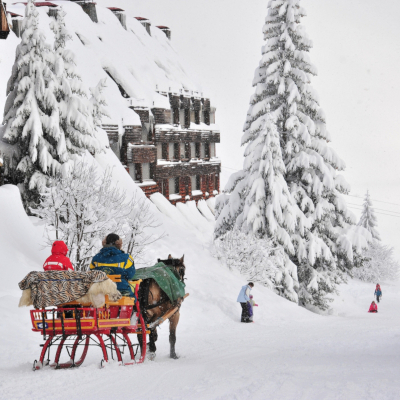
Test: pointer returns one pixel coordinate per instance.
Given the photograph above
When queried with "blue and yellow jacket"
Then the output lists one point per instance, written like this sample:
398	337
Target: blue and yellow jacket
115	262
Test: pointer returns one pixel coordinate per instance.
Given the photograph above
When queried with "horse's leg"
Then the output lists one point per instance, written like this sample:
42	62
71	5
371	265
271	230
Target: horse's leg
152	343
173	323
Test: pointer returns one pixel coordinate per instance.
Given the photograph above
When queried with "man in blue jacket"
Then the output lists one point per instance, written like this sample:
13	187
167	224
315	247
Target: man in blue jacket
243	298
113	261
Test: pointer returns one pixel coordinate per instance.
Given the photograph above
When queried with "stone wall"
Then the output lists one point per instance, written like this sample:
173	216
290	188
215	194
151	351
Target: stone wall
142	154
162	115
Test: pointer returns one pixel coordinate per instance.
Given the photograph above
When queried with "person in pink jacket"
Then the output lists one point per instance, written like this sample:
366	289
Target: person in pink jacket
373	307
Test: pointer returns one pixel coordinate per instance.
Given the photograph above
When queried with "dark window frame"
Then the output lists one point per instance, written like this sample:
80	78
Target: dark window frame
198	150
164	151
177	151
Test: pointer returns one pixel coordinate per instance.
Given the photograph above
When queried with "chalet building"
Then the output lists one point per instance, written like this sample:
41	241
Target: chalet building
173	151
168	144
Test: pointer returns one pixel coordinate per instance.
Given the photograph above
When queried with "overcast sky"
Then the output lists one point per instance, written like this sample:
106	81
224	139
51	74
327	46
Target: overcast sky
357	54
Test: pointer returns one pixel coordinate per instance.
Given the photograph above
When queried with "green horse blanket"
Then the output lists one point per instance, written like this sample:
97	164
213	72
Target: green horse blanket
166	277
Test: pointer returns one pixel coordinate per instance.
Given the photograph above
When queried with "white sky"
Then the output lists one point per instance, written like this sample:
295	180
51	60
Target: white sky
357	53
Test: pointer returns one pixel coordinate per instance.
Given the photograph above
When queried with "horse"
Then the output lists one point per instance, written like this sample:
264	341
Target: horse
156	304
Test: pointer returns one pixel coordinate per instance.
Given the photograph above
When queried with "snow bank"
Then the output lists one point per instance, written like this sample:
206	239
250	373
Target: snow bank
190	211
206	211
21	248
169	210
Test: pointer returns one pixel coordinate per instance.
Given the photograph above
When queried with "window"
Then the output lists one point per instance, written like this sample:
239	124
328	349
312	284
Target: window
175	115
207	117
212	150
173	185
145	171
159	151
138	172
165	151
192	150
176	151
194	182
197	153
187	118
132	170
145	134
187	151
182	150
171	151
202	150
197	116
198	184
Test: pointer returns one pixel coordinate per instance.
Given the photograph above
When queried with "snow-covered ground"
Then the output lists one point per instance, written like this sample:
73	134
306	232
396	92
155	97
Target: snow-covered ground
288	353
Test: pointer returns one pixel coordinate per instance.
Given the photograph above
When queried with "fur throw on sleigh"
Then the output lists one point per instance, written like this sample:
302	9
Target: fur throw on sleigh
51	288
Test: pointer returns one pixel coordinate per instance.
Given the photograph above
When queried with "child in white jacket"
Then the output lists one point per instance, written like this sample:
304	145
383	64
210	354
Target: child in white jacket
252	304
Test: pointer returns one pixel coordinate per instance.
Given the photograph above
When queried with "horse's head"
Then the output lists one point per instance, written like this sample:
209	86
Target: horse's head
178	264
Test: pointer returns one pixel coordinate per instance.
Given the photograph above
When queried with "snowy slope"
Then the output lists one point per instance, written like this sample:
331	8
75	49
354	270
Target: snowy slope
288	353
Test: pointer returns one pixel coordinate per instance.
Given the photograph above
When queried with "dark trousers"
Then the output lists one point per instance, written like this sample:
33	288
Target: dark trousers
245	313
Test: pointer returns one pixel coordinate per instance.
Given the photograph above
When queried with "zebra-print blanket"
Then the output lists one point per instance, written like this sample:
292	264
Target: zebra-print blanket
51	288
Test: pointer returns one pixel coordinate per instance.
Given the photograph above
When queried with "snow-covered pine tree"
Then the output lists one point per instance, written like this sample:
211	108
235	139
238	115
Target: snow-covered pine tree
282	81
98	103
27	111
47	115
260	203
378	264
368	219
76	121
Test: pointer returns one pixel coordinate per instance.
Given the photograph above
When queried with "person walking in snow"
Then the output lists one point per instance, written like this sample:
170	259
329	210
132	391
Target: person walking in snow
251	305
244	299
113	261
378	292
373	308
58	261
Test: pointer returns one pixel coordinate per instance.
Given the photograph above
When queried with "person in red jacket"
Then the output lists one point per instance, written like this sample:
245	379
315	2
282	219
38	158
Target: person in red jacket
373	307
58	261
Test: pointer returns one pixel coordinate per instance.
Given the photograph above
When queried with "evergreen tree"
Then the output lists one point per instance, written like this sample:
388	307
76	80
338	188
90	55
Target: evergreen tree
261	207
266	206
368	219
282	81
98	103
27	111
378	264
47	115
76	122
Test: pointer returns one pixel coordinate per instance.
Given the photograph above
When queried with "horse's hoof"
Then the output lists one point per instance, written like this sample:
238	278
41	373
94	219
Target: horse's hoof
151	356
174	356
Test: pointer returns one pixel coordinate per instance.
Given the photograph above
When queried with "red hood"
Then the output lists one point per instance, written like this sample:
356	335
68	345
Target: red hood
59	247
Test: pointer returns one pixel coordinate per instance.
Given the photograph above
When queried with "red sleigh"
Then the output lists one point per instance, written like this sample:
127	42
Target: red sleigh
73	327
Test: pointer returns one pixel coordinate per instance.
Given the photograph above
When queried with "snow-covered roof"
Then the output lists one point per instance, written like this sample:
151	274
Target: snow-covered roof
141	64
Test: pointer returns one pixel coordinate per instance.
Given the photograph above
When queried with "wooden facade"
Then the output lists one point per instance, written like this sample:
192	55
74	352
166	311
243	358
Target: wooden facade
171	152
